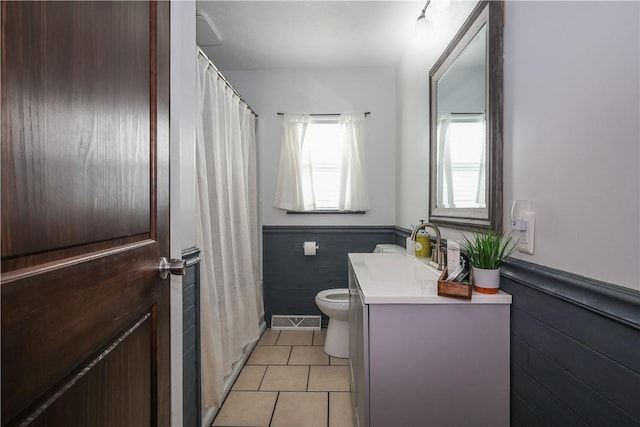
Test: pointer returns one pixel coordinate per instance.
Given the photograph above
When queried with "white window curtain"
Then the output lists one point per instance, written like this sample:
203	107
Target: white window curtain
294	189
354	195
226	231
481	193
295	186
444	170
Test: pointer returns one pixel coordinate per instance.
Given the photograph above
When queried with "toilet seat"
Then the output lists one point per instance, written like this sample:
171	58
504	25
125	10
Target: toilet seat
334	303
334	296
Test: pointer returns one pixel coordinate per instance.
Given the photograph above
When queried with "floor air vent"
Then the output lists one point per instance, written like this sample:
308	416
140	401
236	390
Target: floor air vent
295	322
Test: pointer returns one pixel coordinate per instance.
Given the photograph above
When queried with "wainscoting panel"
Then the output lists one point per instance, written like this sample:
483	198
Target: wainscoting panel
292	280
400	235
575	349
191	338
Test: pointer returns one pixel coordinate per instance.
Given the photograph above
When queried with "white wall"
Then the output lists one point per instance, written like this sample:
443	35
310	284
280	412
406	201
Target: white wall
571	102
182	178
328	91
412	91
571	146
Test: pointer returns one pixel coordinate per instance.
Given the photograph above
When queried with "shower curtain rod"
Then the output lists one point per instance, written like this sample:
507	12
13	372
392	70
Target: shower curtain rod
328	114
227	82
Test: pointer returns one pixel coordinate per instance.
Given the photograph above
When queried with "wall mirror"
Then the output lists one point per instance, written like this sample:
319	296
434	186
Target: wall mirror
465	112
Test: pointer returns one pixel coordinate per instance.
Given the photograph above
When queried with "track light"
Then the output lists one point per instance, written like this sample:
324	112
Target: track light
423	25
424	10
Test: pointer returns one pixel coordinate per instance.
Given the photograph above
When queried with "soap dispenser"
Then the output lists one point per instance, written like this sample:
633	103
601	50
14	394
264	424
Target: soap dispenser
423	243
410	245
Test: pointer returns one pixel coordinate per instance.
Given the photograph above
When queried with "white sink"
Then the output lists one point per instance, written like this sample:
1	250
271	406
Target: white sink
392	278
399	268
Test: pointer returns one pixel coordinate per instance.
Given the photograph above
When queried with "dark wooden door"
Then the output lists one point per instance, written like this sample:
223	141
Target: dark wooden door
85	128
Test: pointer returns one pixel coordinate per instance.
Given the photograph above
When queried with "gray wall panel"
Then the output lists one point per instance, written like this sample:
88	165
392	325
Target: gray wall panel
610	379
292	280
188	294
545	405
594	408
189	317
581	325
574	348
191	339
525	415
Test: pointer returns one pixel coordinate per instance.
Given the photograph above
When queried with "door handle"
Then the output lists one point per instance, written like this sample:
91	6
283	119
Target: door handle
173	266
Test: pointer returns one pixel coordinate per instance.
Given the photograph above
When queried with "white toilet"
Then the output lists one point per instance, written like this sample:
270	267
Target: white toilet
388	248
334	303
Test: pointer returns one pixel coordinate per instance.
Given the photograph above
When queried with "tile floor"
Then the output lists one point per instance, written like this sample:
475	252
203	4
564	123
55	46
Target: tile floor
289	381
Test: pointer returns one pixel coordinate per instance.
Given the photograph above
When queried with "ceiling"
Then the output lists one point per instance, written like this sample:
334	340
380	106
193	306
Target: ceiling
310	34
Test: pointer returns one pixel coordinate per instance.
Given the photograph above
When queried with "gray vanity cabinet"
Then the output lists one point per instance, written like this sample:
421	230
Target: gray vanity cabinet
358	348
428	364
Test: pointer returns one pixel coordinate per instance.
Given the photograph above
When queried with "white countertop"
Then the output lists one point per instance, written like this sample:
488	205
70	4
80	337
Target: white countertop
391	278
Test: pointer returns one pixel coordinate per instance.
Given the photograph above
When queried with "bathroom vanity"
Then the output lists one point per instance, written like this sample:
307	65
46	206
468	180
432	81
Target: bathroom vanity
418	359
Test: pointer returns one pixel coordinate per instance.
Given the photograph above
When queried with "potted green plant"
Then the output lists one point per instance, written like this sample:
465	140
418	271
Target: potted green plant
486	253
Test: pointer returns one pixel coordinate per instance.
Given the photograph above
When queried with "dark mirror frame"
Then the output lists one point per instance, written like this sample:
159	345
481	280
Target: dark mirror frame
494	81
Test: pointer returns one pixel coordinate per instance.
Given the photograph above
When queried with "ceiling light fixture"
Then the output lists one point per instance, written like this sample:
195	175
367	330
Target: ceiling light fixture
424	10
423	25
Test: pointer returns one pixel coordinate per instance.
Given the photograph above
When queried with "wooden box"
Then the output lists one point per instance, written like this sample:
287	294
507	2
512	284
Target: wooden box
455	289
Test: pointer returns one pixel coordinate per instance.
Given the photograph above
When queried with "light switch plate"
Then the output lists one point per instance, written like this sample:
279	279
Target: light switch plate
525	240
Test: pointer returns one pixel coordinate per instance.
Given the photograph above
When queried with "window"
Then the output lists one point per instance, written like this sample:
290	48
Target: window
322	161
322	164
463	162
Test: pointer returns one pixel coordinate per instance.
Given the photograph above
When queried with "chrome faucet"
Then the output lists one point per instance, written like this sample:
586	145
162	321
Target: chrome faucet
437	257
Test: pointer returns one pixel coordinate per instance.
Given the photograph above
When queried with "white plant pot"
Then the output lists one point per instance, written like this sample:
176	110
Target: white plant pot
486	281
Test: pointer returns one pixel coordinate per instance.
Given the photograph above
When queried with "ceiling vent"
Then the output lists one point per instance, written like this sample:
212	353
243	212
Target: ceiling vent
206	32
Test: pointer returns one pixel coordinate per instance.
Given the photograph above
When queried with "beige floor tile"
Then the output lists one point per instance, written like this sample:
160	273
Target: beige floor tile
295	338
318	336
297	409
269	337
328	378
269	355
340	411
339	361
247	408
250	378
285	378
308	355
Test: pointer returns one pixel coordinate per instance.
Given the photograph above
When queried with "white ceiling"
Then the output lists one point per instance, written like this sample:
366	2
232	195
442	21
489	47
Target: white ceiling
310	34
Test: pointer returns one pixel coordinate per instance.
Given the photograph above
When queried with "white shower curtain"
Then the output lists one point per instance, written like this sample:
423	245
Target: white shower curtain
226	231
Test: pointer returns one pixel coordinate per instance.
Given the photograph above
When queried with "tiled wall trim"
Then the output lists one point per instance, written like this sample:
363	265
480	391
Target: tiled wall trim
191	338
292	280
574	348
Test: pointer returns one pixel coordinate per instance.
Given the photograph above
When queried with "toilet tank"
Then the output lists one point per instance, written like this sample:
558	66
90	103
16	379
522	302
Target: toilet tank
389	248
